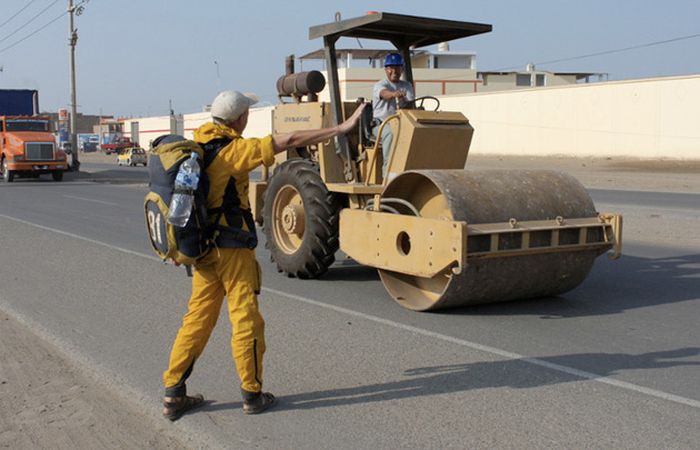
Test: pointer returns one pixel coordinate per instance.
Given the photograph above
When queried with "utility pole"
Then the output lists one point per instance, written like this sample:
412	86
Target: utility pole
72	41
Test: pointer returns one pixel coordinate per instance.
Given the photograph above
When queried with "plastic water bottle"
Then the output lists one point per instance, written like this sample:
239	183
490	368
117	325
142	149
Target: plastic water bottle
186	183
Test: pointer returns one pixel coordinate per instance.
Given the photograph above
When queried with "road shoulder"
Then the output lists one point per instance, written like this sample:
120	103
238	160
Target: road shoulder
45	402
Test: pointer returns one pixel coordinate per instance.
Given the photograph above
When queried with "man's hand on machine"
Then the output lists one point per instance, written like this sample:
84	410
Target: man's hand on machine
351	121
399	93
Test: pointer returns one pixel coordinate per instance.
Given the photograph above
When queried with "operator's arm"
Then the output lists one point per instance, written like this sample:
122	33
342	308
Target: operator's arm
383	90
302	138
388	94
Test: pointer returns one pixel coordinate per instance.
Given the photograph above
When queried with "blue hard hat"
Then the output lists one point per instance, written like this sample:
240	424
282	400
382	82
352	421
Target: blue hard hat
393	59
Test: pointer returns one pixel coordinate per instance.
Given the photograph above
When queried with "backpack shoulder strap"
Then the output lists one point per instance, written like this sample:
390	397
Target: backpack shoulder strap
230	204
212	149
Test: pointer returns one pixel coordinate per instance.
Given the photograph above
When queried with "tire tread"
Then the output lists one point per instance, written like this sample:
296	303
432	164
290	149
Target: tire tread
322	208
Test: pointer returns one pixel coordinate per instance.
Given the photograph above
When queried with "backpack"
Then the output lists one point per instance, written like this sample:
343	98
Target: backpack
184	245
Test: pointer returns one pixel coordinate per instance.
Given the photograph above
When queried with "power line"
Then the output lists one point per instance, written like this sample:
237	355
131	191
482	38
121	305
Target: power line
608	52
32	34
17	13
29	21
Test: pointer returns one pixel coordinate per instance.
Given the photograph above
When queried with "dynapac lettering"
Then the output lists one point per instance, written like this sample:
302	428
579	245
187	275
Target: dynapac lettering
298	119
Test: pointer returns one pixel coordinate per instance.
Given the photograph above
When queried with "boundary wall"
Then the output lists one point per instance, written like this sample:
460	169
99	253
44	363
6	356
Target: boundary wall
646	118
259	122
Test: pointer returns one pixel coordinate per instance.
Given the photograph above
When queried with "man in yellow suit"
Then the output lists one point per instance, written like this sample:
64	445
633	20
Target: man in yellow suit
231	270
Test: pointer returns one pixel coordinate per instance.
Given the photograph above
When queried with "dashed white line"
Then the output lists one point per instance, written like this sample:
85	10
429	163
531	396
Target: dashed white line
91	200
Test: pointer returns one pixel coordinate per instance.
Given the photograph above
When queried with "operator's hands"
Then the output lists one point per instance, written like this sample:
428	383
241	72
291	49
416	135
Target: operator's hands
399	93
351	121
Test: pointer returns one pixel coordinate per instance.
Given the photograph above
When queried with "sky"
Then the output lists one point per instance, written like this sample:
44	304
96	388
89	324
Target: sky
135	58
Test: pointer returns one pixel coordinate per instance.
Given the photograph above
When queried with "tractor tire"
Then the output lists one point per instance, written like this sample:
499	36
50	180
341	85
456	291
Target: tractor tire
7	174
57	175
300	220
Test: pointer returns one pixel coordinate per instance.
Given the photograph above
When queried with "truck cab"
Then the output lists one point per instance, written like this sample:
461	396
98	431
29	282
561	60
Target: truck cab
28	148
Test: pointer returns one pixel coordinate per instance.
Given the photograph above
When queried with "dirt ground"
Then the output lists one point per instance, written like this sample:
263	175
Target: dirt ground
634	174
47	403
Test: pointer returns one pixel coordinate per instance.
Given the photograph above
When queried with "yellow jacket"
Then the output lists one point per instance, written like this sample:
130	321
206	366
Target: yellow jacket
236	159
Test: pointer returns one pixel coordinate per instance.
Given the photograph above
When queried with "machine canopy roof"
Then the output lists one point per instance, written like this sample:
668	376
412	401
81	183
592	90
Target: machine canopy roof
401	30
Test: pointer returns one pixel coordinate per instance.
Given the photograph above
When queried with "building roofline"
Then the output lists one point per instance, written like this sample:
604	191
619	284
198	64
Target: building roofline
518	72
365	53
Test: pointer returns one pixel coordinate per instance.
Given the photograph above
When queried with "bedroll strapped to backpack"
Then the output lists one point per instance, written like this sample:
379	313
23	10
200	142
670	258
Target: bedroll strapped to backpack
184	245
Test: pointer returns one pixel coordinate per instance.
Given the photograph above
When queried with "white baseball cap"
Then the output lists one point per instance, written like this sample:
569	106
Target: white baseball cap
229	105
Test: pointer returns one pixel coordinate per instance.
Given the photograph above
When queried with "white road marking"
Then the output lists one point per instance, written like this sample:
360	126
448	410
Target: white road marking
83	238
415	330
91	200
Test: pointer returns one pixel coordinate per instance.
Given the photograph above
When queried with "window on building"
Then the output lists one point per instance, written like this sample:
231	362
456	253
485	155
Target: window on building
451	62
523	79
539	79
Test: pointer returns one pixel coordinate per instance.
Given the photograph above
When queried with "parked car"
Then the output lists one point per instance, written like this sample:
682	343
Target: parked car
117	146
132	156
91	145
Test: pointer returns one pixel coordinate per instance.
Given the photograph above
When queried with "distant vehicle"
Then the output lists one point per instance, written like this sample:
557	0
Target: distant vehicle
88	142
27	146
92	144
117	146
89	147
132	156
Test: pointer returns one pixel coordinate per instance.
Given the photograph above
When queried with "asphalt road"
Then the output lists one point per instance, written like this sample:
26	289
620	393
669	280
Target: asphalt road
614	363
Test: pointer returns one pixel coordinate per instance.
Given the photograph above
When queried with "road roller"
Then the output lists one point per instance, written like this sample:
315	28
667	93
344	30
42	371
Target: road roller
441	235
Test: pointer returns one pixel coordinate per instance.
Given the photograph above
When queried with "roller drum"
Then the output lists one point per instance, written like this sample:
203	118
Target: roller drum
480	197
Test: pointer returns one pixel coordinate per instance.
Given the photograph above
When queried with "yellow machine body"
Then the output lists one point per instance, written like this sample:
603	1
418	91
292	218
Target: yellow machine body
440	236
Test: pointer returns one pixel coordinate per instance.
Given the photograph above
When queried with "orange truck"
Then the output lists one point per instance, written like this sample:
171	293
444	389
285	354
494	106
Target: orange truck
27	146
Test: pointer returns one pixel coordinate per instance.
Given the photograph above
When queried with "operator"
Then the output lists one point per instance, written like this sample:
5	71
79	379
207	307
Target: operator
231	269
385	96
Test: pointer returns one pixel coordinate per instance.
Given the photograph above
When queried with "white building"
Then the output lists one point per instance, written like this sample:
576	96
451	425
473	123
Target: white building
441	72
434	73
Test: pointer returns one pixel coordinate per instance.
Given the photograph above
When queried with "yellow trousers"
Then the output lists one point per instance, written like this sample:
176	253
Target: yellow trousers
235	274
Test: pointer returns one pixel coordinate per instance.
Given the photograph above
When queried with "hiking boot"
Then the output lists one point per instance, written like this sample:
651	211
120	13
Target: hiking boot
175	407
261	402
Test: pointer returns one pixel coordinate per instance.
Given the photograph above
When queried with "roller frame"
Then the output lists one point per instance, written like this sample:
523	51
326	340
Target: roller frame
440	244
435	244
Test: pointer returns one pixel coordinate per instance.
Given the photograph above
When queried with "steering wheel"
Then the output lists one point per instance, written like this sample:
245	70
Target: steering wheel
417	105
